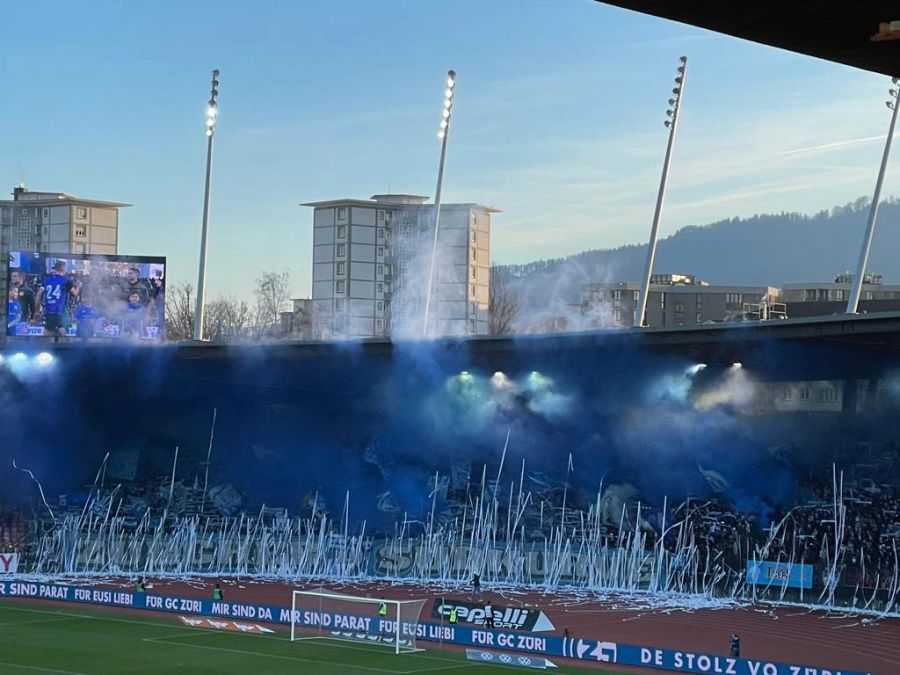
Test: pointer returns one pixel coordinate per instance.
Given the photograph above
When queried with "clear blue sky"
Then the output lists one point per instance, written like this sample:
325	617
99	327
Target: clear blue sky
557	120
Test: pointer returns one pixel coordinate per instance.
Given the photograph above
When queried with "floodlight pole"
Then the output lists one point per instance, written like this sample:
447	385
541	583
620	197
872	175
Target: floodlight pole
211	112
444	134
672	124
856	288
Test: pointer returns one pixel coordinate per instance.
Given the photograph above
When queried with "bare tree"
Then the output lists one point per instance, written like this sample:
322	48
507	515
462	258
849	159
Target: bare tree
273	290
180	301
227	319
503	303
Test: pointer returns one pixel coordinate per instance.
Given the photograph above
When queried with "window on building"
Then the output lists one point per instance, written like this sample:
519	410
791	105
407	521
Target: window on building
81	212
379	287
474	236
379	325
473	308
380	217
662	300
380	251
340	285
23	224
342	213
679	322
379	306
341	231
733	299
80	231
379	269
45	213
617	315
23	241
617	295
839	294
804	394
829	395
699	301
341	268
474	255
679	307
471	325
472	290
474	274
341	250
788	394
339	304
380	233
698	318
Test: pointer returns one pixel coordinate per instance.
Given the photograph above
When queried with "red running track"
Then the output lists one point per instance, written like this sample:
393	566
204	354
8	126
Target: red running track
782	634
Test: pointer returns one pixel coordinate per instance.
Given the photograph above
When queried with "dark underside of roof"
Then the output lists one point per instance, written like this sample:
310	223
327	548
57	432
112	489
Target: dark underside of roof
838	31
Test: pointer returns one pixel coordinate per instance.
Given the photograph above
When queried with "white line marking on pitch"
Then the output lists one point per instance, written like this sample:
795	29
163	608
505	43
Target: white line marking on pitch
41	670
263	654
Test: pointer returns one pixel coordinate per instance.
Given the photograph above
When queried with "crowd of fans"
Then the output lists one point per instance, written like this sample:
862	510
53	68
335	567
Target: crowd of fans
13	530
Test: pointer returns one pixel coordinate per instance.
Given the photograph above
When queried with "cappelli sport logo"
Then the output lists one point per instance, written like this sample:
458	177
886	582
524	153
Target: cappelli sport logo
518	618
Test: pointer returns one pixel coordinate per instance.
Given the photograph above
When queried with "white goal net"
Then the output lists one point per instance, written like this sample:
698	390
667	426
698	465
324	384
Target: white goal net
372	620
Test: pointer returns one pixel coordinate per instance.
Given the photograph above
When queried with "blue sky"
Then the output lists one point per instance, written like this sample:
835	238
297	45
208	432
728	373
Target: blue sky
557	121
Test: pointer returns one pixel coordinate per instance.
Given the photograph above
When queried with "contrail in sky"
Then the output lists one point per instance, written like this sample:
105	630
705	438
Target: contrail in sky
836	144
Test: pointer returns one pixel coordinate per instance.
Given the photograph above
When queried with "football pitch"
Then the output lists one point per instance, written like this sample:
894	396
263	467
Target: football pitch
81	641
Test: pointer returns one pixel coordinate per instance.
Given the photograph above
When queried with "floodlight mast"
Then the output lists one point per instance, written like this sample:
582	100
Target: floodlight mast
212	110
893	103
671	123
443	134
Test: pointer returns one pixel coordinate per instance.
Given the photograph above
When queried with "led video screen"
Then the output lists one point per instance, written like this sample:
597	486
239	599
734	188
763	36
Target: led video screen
59	295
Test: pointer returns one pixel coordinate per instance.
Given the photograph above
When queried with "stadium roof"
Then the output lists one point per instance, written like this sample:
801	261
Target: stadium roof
839	31
858	346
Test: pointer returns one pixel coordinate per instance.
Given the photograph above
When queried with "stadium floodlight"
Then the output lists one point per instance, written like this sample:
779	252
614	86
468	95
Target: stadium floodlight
44	358
443	134
212	111
671	123
893	103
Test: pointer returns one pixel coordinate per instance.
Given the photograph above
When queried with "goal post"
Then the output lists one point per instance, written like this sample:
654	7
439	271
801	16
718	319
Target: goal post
323	614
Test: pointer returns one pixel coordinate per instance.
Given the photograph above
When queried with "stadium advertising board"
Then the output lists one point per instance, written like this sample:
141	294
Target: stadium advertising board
86	296
481	638
517	618
764	573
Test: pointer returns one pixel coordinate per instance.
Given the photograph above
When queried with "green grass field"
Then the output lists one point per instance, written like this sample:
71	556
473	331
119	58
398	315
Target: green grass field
38	638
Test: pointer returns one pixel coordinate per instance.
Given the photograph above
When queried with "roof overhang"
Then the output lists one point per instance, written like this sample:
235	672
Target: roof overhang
839	31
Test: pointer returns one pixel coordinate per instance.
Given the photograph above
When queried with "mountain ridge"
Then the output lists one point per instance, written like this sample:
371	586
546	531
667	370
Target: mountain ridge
762	250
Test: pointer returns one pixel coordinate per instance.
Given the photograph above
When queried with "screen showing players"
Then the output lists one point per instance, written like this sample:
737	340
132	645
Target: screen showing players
85	296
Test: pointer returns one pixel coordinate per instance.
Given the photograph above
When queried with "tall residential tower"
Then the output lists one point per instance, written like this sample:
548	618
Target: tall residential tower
371	260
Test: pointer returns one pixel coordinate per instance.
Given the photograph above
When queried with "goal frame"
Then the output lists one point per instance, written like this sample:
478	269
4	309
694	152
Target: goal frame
322	594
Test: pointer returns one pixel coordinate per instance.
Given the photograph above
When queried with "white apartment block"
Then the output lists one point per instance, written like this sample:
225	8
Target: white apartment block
55	222
370	261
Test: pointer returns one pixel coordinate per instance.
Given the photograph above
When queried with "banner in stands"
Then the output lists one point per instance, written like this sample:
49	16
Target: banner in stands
765	573
388	559
543	645
517	618
9	563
